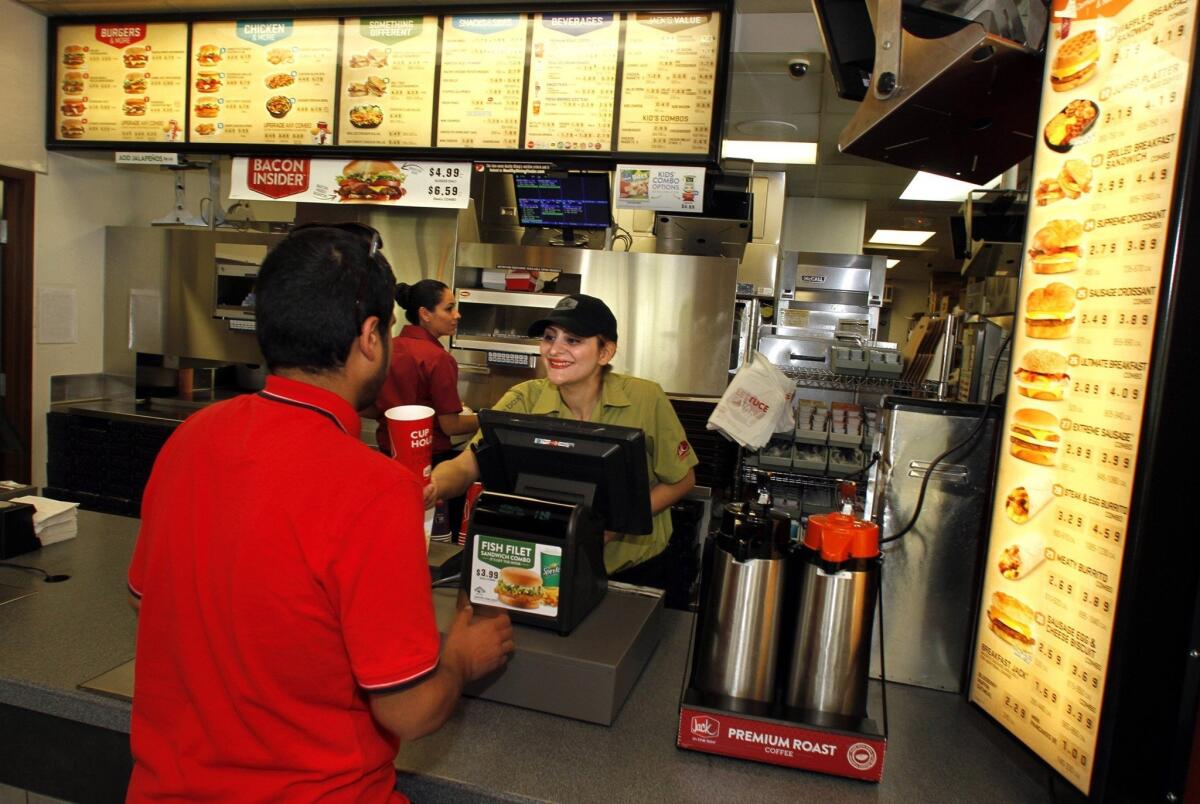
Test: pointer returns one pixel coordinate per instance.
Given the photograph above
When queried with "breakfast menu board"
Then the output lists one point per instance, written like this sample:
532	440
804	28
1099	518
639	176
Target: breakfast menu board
572	81
482	81
1104	175
263	81
668	82
121	82
388	70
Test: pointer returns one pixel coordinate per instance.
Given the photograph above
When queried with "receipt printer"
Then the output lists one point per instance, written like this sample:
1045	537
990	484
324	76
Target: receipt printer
16	529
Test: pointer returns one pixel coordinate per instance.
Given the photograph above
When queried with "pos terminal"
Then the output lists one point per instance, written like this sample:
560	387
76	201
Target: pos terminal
535	538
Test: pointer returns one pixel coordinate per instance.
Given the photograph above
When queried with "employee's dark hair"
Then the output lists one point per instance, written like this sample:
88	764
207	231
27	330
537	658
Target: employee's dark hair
427	293
314	290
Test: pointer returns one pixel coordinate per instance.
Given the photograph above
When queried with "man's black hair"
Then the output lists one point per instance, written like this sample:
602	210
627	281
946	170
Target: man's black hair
314	290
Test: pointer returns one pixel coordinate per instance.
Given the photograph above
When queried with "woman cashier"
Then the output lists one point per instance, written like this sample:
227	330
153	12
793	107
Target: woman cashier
578	342
424	373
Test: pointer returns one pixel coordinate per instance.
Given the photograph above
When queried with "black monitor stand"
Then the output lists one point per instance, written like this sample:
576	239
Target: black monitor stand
569	240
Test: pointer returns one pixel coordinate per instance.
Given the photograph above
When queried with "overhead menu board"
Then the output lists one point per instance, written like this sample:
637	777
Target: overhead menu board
269	81
484	85
388	70
122	82
1104	173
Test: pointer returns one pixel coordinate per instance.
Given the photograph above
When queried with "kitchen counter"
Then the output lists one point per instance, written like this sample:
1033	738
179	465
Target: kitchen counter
941	748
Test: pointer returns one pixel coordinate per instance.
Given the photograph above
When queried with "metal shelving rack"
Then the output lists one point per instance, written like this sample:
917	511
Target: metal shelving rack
828	380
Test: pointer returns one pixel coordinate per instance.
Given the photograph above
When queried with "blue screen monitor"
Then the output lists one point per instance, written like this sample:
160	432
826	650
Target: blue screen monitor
565	201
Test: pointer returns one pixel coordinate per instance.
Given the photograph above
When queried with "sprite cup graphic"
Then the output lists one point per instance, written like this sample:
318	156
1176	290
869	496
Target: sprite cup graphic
551	569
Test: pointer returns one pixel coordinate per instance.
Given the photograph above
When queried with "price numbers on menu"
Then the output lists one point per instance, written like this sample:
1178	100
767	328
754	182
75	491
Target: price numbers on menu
1115	460
1090	389
1124	393
1060	584
1111	248
1118	114
1070	519
1098	602
1076	754
1173	34
1107	533
1080	716
1111	185
1015	706
1093	320
1077	451
1089	678
1162	99
1159	174
1052	656
1133	319
487	574
445	172
438	191
1047	694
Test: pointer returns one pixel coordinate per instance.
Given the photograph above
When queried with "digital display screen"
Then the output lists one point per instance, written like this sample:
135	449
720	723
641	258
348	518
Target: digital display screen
572	201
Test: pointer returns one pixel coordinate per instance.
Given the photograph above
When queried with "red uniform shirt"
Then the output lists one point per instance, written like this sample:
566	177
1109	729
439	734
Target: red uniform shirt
282	573
422	373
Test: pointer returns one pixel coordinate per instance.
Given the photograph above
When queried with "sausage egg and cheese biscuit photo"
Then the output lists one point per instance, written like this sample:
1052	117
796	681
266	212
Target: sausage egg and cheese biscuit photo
1050	312
519	588
1075	61
1034	436
1042	374
1055	248
1011	620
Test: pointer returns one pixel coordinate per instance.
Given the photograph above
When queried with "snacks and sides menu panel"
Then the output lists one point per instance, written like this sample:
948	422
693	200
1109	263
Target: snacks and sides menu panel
1117	76
388	70
263	81
121	82
668	82
482	81
572	81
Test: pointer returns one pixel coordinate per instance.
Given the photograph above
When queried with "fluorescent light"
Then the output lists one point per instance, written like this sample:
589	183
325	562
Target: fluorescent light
892	263
773	153
900	237
932	187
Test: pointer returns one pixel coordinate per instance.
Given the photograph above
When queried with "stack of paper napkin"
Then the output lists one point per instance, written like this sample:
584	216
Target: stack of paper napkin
54	520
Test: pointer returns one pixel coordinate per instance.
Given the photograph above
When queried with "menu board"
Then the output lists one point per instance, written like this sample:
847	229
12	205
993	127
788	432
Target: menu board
1117	75
572	81
483	69
386	90
121	82
668	82
263	81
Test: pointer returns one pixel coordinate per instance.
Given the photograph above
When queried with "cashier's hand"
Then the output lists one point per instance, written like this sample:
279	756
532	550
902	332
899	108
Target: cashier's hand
611	536
430	494
478	645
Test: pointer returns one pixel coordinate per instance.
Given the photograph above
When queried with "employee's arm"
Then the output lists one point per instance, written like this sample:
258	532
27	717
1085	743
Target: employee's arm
451	478
453	424
664	495
473	649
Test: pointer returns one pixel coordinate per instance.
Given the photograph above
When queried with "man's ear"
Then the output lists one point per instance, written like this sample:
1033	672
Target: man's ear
369	340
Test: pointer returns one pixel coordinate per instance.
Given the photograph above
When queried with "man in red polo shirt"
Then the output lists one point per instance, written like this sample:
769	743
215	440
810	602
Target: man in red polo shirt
286	636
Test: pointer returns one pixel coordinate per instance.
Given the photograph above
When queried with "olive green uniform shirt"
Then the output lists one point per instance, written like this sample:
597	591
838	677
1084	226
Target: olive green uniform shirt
629	402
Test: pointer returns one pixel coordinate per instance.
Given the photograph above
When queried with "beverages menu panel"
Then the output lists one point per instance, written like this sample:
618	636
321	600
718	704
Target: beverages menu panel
668	82
483	68
1117	75
572	82
121	82
388	70
263	81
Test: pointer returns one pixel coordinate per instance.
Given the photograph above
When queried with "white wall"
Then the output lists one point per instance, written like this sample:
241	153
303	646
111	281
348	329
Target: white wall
827	225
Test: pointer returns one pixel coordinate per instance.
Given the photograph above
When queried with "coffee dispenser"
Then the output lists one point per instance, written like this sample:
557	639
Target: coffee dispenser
838	571
744	576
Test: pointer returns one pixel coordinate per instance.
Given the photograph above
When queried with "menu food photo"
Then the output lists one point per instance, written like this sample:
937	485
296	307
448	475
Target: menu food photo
1117	75
121	82
265	81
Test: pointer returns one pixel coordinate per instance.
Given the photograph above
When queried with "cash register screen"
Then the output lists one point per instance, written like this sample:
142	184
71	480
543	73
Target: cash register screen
600	465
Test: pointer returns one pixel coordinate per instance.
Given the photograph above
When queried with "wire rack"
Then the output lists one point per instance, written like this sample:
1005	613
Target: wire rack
823	378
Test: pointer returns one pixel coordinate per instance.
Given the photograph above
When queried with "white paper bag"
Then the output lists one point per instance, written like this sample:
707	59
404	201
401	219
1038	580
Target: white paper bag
754	405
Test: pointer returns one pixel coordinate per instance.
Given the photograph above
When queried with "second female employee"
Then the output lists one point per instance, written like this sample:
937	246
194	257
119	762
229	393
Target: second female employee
578	343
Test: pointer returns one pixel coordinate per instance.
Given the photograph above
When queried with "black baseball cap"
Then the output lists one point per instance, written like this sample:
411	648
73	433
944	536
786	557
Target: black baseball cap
580	315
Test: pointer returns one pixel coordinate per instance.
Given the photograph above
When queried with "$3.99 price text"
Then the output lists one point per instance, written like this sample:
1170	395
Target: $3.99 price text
487	574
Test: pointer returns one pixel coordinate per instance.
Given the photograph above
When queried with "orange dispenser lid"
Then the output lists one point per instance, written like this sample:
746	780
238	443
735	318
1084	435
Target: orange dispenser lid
839	537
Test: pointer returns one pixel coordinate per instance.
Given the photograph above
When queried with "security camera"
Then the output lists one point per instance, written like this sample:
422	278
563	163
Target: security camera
797	68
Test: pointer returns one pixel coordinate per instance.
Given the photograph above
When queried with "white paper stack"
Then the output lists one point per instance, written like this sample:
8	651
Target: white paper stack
53	520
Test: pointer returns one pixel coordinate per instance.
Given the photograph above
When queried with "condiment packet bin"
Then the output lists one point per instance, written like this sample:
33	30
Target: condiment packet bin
777	453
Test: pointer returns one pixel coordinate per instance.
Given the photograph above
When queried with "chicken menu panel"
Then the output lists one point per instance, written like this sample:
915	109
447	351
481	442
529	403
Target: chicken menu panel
263	81
483	68
121	82
388	69
1117	75
668	82
572	81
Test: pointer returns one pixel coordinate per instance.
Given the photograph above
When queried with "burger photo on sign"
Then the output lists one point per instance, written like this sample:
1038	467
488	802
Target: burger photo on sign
135	84
1034	437
370	180
1075	62
1056	247
73	55
1050	312
1042	374
72	129
134	107
135	57
1011	620
519	588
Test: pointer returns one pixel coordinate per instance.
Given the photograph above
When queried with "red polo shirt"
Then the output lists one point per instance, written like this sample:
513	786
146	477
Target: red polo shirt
422	373
282	573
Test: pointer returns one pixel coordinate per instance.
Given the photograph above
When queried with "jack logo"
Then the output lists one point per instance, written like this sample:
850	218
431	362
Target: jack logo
705	726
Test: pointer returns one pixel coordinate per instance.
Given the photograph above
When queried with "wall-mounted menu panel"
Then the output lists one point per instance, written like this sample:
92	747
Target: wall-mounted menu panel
386	91
572	81
121	82
1104	173
483	68
268	81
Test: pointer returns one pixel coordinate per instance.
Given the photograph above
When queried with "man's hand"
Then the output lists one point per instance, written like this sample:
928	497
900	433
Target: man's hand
430	494
478	645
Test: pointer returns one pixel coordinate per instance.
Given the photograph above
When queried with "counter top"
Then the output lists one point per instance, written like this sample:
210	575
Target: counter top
940	749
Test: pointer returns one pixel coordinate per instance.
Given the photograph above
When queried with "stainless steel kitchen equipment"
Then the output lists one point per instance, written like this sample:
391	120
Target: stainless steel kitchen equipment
742	603
932	578
834	294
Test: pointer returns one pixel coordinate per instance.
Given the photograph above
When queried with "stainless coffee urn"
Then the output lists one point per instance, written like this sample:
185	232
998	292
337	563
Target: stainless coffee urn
838	586
738	644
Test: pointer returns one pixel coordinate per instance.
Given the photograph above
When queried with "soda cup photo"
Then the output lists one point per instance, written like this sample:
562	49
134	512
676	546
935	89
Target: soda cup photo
410	428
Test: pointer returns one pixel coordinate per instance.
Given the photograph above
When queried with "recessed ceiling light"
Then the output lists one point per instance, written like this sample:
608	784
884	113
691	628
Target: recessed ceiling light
932	187
775	152
892	263
900	237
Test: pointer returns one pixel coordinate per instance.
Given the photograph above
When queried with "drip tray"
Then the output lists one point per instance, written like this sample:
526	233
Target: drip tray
10	593
116	683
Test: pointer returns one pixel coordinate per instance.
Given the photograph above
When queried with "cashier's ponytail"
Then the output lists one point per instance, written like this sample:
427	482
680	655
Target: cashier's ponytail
427	293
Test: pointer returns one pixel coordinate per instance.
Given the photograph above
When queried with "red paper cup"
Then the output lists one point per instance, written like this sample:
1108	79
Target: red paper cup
410	428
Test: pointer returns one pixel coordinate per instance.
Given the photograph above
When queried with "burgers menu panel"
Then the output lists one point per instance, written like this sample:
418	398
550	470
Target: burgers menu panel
121	82
268	81
572	82
668	82
483	68
386	92
1117	75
